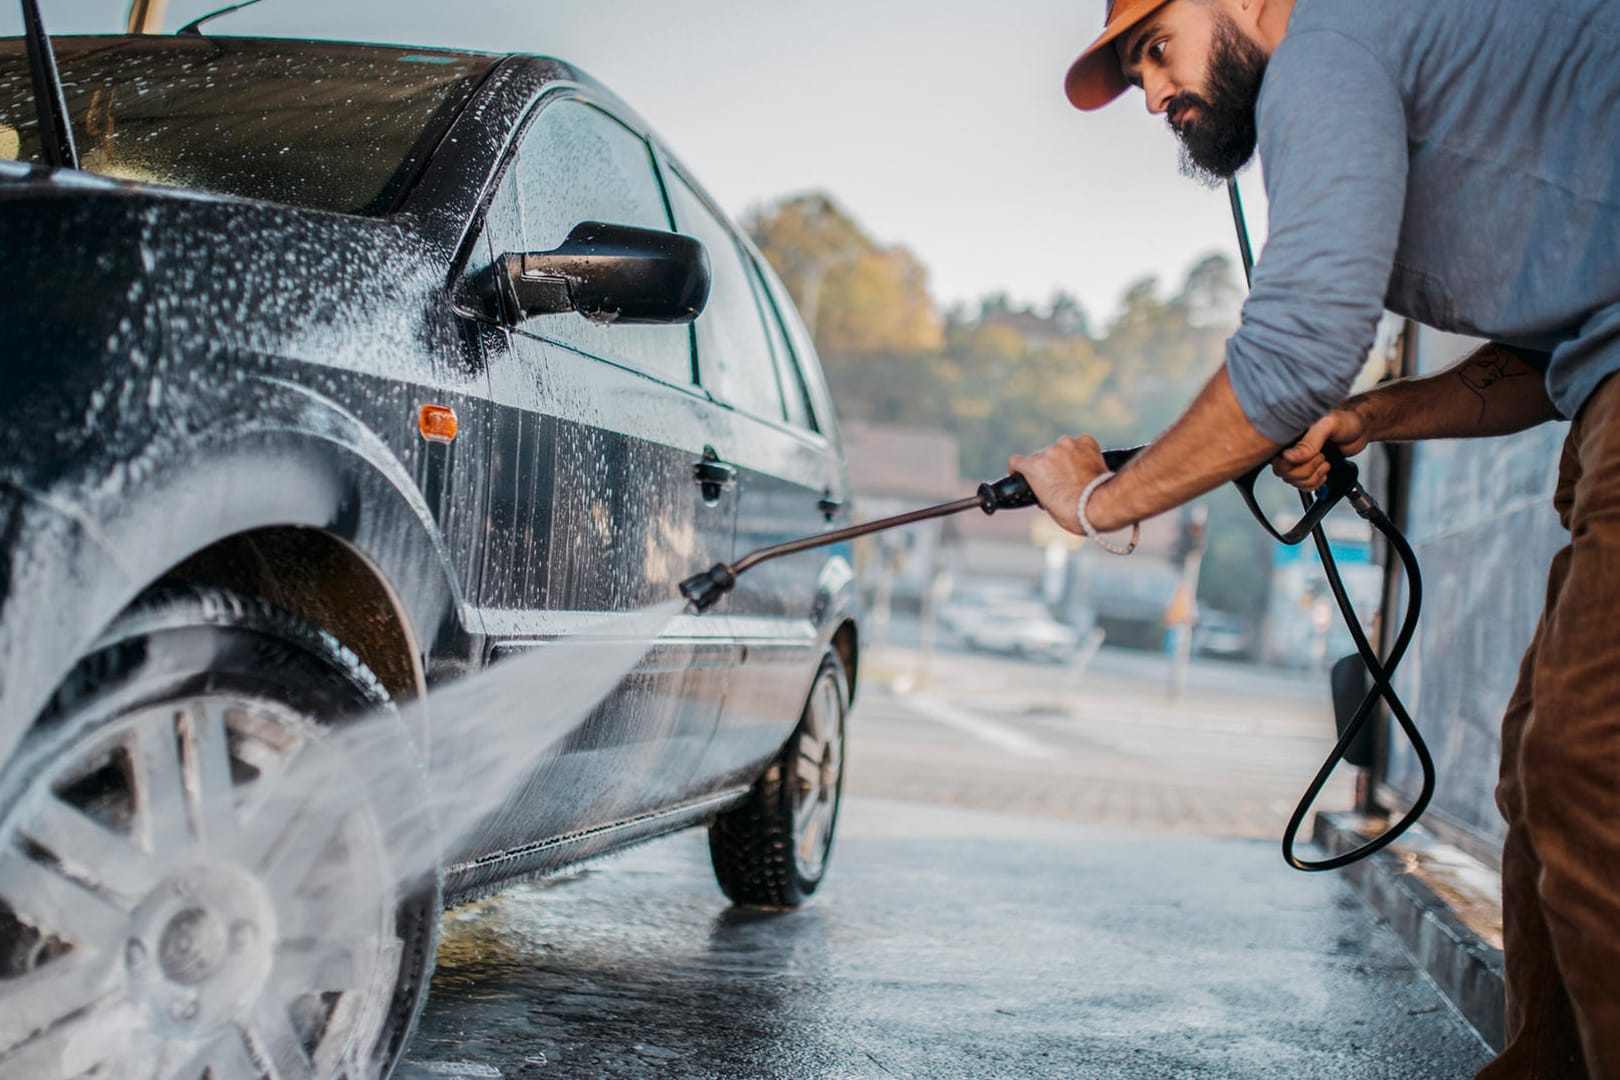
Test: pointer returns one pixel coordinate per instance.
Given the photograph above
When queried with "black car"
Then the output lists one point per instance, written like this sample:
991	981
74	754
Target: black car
333	374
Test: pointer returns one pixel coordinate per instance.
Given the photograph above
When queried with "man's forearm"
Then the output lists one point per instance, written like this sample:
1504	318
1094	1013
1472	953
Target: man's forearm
1212	443
1489	392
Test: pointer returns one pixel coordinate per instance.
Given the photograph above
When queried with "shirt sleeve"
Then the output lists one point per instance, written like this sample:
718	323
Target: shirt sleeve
1333	144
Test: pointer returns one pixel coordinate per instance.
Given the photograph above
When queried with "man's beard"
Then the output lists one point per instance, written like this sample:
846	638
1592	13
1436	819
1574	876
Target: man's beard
1221	139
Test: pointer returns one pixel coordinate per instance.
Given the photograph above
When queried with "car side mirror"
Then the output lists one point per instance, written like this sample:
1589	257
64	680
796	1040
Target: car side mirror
607	273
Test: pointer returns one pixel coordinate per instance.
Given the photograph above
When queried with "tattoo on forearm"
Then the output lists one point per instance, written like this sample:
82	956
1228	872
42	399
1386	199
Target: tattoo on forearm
1483	371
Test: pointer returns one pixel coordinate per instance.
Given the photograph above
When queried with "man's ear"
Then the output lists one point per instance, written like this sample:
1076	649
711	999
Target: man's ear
1263	20
1245	11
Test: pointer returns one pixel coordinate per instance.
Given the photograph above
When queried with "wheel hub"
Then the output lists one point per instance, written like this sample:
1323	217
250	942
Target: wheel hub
200	947
192	946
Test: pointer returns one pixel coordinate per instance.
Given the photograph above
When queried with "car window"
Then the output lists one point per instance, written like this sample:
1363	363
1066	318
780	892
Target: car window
794	398
803	356
734	355
576	163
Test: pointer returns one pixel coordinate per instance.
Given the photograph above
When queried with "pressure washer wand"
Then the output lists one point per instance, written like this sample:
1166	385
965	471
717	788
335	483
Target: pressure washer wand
1009	493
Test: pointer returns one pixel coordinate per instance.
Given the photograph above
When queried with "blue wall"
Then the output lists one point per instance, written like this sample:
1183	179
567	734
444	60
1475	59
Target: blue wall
1481	521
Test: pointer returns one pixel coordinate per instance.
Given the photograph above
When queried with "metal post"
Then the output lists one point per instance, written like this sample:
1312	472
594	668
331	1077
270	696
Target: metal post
146	16
1193	523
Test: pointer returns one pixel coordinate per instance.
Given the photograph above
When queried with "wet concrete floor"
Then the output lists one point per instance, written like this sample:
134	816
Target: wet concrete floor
945	943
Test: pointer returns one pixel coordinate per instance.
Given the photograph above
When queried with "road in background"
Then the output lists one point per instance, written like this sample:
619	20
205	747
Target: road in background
1099	741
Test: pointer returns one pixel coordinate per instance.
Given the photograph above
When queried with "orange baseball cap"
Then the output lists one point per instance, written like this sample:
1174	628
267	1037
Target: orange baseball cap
1095	79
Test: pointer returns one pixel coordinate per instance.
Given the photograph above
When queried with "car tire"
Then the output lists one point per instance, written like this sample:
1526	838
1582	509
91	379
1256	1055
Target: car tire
144	930
772	851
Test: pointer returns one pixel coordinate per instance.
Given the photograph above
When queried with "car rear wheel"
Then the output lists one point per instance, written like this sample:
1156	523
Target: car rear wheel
194	882
772	851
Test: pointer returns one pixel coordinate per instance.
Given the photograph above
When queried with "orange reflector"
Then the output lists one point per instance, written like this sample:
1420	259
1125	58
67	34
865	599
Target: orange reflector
438	423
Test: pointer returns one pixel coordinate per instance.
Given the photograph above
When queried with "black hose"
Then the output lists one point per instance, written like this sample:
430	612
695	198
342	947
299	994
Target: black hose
1382	689
1383	673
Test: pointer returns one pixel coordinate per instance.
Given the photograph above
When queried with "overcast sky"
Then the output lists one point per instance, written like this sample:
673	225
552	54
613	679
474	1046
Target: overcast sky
939	124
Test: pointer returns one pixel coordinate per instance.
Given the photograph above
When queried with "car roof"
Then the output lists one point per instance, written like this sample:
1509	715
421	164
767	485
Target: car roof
169	41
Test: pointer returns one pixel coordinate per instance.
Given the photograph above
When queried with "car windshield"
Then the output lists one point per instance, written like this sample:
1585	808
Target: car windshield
312	124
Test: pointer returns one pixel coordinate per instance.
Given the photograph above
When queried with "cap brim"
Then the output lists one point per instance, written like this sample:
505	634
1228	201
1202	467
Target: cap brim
1096	79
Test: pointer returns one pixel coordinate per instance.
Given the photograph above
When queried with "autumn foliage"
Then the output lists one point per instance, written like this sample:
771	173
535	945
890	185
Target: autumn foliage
1007	378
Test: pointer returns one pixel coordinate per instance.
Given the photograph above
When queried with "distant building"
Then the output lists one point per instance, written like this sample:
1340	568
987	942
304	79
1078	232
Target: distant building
1063	321
999	552
1128	597
893	470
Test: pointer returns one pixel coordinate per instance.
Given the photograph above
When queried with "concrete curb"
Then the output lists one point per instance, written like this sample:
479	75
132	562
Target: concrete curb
1466	968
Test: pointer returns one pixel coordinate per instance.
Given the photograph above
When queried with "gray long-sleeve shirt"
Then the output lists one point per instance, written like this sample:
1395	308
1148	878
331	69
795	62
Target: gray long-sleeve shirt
1456	161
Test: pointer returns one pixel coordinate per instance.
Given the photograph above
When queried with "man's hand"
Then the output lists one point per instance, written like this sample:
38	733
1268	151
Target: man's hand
1059	474
1303	464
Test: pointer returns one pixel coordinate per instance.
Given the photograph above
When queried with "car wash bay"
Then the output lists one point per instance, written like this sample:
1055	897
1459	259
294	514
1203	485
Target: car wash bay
960	941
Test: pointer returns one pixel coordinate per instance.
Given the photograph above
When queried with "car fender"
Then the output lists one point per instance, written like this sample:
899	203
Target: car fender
838	603
77	553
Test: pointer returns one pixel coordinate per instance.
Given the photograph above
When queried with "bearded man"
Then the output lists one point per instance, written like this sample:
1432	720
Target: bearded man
1457	162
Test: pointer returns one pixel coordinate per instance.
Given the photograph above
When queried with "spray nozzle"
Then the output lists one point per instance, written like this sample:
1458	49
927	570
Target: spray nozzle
704	590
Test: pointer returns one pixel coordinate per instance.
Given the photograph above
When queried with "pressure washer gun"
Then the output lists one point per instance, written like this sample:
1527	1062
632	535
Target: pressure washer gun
1343	483
1013	493
1009	493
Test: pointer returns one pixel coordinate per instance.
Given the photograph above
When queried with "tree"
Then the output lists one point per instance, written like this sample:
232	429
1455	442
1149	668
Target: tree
805	238
1007	378
877	304
1067	316
857	297
1210	295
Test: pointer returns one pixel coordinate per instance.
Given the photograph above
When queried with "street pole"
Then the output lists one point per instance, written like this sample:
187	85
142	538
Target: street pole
939	587
1192	554
146	16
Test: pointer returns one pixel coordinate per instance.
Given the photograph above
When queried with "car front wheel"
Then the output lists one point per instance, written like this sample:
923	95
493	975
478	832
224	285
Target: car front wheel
772	851
193	882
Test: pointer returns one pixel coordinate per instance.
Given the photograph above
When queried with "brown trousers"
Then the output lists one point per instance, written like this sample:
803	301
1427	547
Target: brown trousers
1560	785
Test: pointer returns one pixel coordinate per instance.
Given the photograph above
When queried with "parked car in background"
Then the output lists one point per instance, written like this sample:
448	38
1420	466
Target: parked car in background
1017	627
334	373
1222	635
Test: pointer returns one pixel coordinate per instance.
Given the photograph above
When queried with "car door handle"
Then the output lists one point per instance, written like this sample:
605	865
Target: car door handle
717	473
830	504
713	475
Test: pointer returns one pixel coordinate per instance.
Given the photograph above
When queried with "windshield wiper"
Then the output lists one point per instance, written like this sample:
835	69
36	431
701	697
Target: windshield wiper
55	132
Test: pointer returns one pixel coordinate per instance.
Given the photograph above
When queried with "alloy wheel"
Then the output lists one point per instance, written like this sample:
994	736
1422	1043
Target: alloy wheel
191	890
818	774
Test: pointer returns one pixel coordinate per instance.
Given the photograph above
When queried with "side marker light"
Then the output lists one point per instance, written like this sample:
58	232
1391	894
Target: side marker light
438	423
